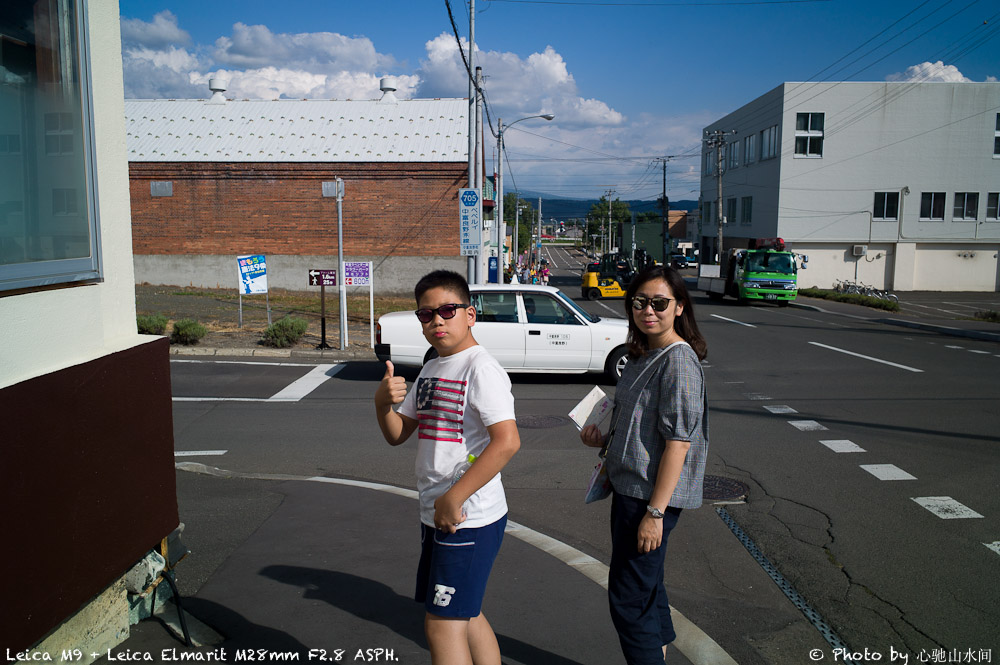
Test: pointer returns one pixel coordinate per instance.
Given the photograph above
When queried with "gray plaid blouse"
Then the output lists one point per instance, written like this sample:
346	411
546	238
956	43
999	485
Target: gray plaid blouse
668	402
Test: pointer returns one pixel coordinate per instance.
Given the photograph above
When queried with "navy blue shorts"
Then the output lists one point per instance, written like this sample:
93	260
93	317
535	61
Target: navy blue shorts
454	568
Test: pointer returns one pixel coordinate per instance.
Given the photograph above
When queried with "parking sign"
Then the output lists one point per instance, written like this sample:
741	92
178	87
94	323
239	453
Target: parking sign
470	216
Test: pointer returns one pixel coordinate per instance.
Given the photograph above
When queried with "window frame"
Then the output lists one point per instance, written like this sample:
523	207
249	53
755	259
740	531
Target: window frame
934	198
993	205
966	199
746	211
74	270
885	206
810	138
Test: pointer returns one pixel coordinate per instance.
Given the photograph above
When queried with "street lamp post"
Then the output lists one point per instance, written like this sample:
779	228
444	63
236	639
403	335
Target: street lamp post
501	227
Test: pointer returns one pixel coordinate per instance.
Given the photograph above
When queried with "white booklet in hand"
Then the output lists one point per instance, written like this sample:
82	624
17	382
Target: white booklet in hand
592	409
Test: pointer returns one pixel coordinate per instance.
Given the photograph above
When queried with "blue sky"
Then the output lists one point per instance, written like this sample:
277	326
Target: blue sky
628	80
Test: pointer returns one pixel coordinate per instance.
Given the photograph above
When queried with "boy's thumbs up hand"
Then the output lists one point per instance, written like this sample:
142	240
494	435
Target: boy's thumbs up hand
391	390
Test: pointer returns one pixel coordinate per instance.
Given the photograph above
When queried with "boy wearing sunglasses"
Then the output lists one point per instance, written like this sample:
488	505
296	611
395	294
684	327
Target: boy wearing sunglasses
462	409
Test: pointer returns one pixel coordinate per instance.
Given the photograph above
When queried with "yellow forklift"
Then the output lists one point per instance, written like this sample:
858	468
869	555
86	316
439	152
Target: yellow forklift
608	277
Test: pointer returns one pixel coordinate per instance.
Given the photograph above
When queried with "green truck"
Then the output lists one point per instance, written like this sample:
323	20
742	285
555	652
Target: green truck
766	271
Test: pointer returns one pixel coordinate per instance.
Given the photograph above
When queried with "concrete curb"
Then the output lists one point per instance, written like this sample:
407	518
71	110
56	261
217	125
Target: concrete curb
943	330
312	354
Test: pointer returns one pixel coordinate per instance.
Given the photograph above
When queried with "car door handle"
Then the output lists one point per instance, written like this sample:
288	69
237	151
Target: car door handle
534	332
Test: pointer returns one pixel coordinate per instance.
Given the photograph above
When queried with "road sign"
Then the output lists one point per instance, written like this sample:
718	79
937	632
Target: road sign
322	277
470	216
357	273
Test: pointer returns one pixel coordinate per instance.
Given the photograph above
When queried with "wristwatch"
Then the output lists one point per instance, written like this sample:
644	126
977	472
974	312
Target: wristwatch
655	512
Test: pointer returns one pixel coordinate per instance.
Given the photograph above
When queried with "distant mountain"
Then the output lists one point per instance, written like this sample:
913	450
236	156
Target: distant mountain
563	209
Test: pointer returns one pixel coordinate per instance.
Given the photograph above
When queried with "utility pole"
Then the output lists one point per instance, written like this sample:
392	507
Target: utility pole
481	273
665	203
538	255
611	193
472	260
717	140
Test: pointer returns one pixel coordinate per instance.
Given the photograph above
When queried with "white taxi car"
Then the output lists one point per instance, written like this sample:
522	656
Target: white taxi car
526	328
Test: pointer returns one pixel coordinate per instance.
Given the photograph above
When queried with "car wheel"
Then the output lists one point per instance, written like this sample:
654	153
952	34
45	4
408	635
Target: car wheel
594	294
615	363
430	355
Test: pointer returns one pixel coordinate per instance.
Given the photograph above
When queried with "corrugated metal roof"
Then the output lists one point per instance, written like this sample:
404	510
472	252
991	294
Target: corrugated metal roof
417	130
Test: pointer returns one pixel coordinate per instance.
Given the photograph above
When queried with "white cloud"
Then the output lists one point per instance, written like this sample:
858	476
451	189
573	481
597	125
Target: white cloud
930	71
161	32
255	46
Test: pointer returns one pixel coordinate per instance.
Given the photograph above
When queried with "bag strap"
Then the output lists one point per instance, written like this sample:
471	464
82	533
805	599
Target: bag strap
614	414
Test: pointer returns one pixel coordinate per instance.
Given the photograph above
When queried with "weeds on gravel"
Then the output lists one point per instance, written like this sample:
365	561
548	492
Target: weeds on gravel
284	332
187	331
988	315
151	324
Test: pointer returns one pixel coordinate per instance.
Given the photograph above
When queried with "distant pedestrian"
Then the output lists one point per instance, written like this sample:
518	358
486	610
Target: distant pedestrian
545	275
463	410
655	458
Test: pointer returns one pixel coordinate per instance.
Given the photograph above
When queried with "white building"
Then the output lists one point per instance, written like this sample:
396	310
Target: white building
892	184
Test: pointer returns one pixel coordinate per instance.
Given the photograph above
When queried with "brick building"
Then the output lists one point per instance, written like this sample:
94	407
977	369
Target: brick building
213	179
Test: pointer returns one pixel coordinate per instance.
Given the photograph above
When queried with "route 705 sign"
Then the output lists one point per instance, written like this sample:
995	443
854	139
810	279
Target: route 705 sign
470	217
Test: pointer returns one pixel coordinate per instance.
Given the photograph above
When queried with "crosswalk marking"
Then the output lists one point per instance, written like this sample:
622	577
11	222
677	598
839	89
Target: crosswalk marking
946	507
806	425
843	446
198	453
780	408
887	472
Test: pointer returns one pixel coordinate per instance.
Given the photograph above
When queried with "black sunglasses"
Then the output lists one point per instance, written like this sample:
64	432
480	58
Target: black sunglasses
426	315
659	304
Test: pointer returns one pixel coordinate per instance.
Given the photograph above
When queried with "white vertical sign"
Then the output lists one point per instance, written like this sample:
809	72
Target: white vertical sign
470	216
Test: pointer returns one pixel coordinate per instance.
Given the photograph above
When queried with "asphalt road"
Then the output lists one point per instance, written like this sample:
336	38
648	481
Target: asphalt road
847	433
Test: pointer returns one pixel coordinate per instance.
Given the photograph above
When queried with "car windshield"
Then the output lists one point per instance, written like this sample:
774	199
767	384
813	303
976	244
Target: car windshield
587	315
770	262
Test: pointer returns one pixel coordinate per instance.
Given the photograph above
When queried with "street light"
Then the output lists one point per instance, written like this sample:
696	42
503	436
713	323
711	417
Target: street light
501	227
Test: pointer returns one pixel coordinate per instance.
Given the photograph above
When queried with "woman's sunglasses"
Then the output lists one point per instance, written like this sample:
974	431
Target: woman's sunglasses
659	304
426	315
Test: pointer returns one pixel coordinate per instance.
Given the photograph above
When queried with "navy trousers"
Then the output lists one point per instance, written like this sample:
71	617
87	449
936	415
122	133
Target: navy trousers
638	599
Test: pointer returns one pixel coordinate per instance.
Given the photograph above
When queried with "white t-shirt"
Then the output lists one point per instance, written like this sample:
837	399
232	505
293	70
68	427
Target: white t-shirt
454	400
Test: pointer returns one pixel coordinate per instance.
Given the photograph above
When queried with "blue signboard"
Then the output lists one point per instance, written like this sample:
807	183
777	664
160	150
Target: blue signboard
470	217
253	273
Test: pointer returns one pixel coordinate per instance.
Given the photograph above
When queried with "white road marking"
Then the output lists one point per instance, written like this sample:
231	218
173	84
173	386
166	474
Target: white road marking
858	355
978	351
946	507
298	389
242	362
198	453
780	408
613	311
843	446
887	472
806	425
952	346
748	325
995	546
293	392
757	396
691	641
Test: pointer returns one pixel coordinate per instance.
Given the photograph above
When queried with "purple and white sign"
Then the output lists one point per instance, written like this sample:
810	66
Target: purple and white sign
357	273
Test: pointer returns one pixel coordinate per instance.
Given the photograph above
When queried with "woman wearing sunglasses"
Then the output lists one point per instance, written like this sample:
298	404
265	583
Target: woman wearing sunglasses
656	451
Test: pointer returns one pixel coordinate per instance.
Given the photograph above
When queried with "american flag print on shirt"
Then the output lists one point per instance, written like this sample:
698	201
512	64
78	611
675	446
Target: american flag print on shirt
440	408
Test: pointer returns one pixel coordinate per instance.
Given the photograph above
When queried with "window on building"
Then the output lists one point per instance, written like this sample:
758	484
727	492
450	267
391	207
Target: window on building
996	138
746	214
966	206
932	206
48	211
731	211
734	154
750	149
707	212
809	135
992	205
769	143
886	206
709	162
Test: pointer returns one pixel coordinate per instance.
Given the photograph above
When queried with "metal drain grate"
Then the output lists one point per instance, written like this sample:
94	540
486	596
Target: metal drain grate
814	617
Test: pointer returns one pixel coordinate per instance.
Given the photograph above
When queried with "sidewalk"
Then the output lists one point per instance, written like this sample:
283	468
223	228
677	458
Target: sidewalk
316	579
